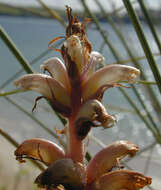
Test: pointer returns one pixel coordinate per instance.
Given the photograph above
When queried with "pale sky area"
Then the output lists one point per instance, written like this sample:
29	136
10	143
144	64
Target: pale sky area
76	5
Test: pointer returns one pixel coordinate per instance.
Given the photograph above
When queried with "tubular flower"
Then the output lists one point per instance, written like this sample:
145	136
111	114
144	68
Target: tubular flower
75	89
92	114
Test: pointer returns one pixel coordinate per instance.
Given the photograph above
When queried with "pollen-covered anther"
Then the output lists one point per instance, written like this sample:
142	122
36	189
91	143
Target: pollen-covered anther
134	74
106	119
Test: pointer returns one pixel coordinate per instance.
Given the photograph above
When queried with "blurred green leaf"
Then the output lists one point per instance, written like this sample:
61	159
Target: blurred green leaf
15	51
141	36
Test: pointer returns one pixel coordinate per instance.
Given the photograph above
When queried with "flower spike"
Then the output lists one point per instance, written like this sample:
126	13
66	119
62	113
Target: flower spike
75	89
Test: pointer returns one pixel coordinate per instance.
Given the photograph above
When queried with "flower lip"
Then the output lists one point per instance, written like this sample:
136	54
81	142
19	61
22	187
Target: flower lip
45	85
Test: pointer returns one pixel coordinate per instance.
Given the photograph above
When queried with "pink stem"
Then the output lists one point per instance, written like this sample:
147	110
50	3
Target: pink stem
75	146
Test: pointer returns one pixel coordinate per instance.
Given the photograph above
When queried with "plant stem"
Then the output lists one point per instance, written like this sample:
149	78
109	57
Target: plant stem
119	9
35	60
16	91
116	55
52	13
149	21
156	135
75	146
143	41
146	109
136	58
32	117
15	144
9	138
10	44
14	76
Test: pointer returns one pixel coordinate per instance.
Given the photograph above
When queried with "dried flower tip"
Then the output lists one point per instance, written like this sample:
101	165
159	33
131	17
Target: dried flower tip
77	52
76	49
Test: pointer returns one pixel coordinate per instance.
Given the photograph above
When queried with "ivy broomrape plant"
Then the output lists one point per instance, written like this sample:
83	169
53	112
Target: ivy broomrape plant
75	89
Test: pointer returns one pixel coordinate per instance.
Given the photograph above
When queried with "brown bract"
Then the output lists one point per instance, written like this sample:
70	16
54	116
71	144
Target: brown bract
65	172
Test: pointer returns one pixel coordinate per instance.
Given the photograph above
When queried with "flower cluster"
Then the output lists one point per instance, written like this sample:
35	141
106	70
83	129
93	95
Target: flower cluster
75	89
